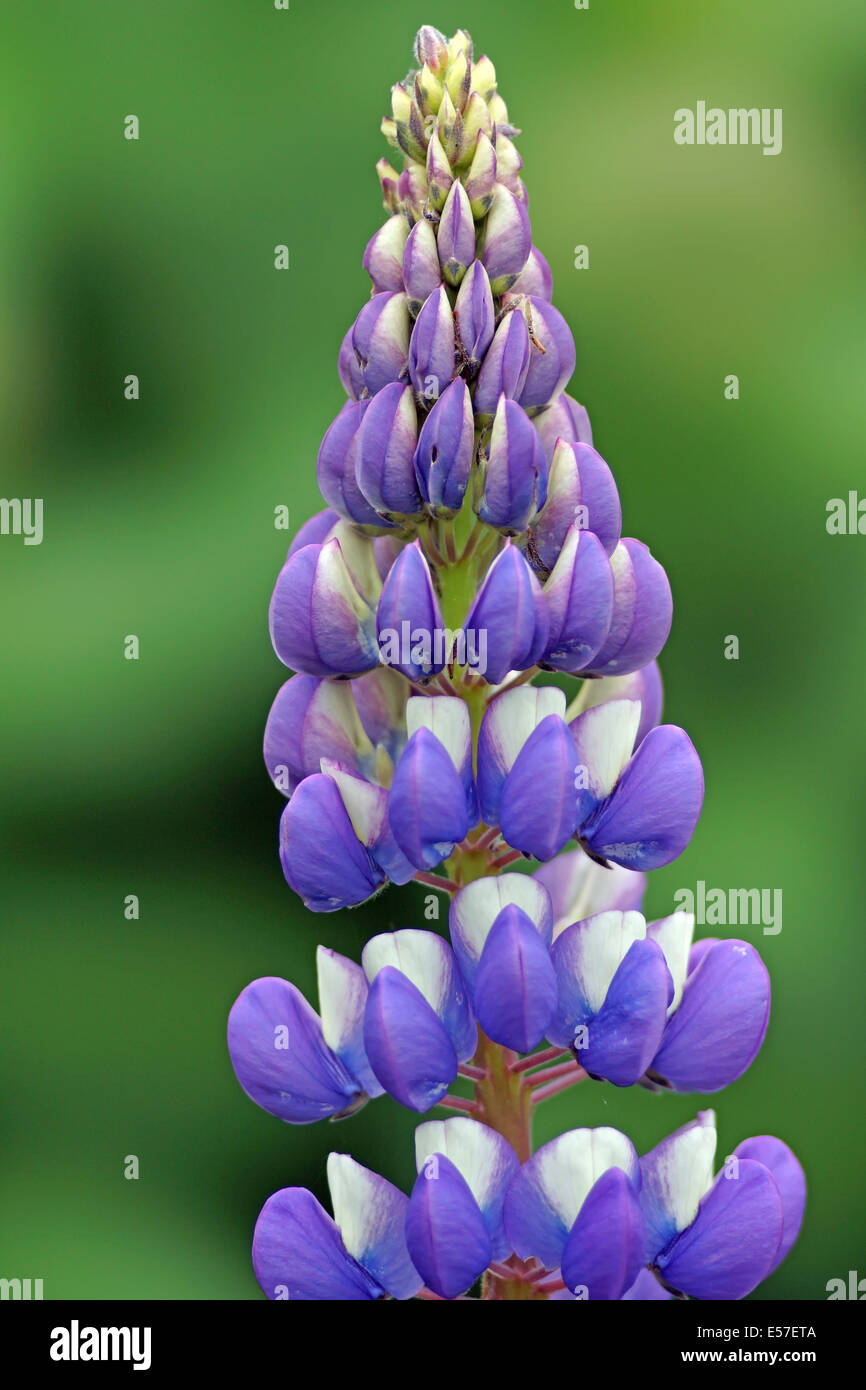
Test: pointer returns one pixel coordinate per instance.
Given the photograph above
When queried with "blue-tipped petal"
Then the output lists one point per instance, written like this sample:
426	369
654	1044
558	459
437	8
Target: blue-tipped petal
385	451
510	611
409	618
732	1243
427	808
298	1253
428	961
432	361
515	985
538	807
335	467
578	597
321	856
718	1029
407	1044
652	812
483	1157
643	609
513	472
371	1215
606	1246
505	364
446	1234
789	1179
281	1059
446	447
474	317
447	718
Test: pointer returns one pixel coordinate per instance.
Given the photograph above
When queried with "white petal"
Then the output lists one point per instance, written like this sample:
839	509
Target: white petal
511	718
475	908
477	1152
604	738
678	1172
422	956
342	996
567	1167
600	945
367	805
445	717
674	935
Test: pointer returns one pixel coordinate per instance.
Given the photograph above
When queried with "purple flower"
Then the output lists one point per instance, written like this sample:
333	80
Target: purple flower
417	1021
421	273
432	348
455	236
432	794
642	610
506	362
564	419
574	1205
322	613
474	317
385	452
535	278
300	1253
718	1238
578	596
454	1224
383	258
409	619
507	238
322	857
380	340
336	464
513	475
292	1063
551	358
446	447
510	612
580	492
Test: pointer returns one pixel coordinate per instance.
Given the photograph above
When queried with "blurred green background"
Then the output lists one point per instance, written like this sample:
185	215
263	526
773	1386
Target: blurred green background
260	127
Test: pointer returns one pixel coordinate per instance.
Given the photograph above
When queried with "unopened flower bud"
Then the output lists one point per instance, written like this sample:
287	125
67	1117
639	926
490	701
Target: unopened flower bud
439	175
481	176
455	238
507	239
421	271
432	348
383	258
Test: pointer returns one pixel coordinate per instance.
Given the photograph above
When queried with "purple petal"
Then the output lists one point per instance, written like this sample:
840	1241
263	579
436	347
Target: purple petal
474	316
579	600
383	258
421	273
314	531
507	724
427	811
335	467
281	1059
298	1253
789	1179
321	856
646	1289
718	1029
514	470
409	617
380	339
483	1157
732	1243
385	449
507	240
652	812
446	448
455	235
510	613
564	419
538	807
515	986
552	356
580	888
475	908
623	1036
606	1246
505	364
407	1043
643	608
432	348
446	1233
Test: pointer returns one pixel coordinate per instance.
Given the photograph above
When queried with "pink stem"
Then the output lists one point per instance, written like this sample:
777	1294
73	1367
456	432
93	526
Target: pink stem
556	1086
445	885
546	1055
568	1068
450	1102
505	859
474	1073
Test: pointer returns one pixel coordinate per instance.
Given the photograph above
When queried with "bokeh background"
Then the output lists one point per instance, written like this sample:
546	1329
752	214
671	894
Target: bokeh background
260	127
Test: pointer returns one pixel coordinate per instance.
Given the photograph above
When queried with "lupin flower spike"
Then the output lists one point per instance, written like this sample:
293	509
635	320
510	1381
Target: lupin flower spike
474	684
